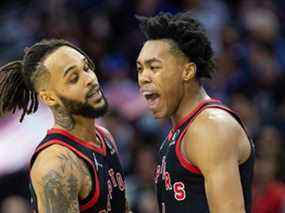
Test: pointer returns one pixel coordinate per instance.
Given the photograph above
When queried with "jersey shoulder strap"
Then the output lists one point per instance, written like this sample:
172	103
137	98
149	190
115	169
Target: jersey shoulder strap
56	138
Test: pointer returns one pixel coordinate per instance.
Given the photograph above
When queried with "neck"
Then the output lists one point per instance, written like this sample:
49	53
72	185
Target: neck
193	94
81	127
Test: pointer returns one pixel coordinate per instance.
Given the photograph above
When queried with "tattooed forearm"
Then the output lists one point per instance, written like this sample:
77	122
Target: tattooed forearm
62	118
60	193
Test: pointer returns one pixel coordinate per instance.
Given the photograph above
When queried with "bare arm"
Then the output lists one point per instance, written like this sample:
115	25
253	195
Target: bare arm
56	180
214	148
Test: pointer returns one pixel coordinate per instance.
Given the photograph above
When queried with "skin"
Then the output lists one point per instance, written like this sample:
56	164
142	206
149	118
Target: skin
58	176
161	68
75	85
216	154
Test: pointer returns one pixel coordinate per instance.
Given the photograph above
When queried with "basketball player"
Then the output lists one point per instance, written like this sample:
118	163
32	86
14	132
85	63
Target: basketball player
206	161
76	167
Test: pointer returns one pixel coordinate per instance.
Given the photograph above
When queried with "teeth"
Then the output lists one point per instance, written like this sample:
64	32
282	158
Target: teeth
93	93
147	93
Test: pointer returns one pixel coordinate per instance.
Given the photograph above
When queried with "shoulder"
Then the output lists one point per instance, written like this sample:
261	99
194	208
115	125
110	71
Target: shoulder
216	122
55	161
215	135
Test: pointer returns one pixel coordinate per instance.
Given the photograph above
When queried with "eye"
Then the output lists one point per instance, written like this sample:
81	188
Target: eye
73	79
154	68
139	69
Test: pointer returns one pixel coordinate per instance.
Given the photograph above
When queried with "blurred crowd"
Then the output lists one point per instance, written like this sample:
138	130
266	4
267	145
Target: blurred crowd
248	40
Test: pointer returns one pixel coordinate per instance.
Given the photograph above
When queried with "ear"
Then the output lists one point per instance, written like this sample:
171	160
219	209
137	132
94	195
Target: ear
48	98
189	71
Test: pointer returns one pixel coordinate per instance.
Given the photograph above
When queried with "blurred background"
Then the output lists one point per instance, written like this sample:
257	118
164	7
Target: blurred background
248	39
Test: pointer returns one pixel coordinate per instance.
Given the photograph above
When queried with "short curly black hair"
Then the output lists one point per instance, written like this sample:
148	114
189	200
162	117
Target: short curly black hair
187	33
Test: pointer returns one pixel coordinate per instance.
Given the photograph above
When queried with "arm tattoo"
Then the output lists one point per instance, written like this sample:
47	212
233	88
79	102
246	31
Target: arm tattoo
73	164
60	191
60	195
77	166
63	119
61	185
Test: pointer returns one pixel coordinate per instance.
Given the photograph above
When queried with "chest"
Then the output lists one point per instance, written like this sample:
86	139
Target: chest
173	167
108	184
109	173
168	158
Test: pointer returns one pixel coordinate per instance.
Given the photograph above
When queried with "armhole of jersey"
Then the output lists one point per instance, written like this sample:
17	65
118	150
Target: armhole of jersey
183	160
186	164
95	193
33	198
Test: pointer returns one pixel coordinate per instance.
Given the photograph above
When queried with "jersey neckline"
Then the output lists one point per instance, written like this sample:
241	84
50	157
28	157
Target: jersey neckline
192	113
88	144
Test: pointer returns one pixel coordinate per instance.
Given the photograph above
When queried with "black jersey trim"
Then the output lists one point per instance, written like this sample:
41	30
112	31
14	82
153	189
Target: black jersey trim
87	144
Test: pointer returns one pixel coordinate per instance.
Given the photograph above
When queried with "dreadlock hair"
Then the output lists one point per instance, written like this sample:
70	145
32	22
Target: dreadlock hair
18	78
188	35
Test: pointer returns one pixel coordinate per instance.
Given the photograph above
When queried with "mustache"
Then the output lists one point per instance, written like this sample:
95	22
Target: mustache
94	89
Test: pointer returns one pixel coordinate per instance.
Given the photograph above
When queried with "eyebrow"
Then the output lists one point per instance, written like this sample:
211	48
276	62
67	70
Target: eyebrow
149	61
68	70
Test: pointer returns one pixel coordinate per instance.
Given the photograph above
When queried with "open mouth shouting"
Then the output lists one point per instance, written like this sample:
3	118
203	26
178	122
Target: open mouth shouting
152	97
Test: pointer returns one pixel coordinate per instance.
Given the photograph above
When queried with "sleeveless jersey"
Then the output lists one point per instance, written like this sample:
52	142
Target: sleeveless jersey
179	184
108	183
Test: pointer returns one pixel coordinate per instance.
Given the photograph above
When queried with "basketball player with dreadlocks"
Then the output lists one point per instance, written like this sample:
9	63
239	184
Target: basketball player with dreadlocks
206	161
76	167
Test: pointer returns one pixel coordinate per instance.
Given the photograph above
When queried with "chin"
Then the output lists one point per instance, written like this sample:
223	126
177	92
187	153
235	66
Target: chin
159	115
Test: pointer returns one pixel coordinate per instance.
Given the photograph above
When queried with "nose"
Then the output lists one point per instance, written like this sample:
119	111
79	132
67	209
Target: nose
91	79
144	77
